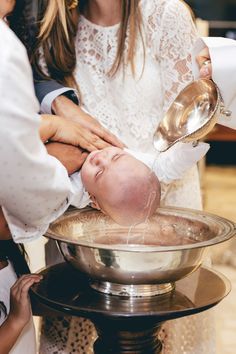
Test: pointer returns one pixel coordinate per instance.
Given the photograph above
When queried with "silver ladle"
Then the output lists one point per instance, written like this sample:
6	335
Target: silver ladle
191	116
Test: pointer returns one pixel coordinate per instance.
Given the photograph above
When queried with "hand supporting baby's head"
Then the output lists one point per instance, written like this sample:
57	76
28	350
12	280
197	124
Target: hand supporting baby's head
121	186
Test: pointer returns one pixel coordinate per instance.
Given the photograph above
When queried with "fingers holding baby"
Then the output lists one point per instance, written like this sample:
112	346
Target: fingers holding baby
204	63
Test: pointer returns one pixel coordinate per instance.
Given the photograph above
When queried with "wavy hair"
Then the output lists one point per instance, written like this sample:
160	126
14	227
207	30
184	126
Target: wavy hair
57	27
56	34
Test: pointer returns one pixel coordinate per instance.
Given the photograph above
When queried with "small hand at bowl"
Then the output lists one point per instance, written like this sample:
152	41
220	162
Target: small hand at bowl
204	62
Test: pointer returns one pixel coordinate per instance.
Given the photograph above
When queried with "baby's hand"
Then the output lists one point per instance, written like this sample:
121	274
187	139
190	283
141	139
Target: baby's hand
204	62
20	309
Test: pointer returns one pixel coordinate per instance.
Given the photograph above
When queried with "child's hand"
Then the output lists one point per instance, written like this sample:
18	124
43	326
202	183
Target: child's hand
20	309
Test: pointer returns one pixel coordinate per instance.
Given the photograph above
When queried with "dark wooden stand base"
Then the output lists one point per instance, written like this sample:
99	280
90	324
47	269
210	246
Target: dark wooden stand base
128	325
115	338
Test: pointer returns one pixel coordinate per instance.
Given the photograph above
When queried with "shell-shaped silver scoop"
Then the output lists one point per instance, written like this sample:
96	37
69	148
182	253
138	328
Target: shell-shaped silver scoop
191	116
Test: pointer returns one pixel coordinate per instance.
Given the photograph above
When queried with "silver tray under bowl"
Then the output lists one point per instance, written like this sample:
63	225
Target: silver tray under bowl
143	260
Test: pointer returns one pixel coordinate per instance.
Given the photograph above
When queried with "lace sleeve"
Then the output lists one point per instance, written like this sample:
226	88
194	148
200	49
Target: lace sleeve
178	34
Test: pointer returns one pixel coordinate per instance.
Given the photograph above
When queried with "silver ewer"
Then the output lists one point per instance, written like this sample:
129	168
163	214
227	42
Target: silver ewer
191	116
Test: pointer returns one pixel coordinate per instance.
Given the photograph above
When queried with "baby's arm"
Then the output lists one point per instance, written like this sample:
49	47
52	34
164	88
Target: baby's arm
174	163
20	312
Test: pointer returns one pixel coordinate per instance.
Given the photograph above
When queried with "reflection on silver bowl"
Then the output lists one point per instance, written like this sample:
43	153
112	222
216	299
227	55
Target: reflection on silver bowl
191	116
144	260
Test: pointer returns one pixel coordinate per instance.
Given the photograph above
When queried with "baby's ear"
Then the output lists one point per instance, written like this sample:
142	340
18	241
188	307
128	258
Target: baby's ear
94	203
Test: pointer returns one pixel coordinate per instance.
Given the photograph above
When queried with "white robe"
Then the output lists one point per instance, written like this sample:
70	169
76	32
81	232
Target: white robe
223	59
35	187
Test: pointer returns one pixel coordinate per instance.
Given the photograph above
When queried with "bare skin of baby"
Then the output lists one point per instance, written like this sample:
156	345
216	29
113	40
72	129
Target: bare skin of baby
121	186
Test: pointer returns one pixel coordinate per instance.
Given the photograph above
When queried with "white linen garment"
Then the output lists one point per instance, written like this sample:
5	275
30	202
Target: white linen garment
35	187
223	60
173	164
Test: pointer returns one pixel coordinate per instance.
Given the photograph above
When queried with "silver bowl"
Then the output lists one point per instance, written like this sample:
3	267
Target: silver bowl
144	260
191	116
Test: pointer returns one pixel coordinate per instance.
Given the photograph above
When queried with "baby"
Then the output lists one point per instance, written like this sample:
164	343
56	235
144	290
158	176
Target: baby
125	184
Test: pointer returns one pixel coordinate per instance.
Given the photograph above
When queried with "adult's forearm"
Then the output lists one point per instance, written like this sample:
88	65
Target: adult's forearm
64	107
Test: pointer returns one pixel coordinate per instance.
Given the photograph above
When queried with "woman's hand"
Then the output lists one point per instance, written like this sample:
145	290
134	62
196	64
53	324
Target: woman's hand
95	134
204	62
62	130
20	308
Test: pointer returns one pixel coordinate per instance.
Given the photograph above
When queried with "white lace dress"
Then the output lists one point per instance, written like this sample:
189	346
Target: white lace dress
132	109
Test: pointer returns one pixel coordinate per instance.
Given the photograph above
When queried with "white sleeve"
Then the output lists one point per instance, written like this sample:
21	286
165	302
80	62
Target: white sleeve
222	54
80	198
174	163
35	187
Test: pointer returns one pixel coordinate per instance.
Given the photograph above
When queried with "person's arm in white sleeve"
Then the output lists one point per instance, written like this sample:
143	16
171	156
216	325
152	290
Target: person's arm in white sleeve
222	69
172	164
35	187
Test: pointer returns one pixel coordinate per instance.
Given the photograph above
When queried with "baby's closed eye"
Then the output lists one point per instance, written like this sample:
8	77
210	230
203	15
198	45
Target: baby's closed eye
98	173
115	157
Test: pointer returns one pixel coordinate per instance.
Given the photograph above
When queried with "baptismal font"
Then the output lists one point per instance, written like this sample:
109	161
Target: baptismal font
129	280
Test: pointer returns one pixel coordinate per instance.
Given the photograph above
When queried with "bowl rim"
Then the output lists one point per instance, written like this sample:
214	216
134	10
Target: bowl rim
221	221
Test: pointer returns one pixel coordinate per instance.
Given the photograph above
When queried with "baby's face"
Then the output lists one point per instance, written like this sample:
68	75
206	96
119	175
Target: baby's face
103	168
119	183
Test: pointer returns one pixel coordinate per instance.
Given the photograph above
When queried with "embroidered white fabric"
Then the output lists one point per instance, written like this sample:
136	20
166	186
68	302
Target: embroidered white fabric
132	108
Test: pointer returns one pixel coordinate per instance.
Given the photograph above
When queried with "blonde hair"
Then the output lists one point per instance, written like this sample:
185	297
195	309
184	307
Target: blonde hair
131	16
55	8
57	27
56	36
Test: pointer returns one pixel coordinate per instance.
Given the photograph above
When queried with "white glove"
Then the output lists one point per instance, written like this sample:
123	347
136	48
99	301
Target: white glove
175	162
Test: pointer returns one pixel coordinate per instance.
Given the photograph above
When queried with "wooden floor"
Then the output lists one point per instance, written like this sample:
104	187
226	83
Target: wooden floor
219	189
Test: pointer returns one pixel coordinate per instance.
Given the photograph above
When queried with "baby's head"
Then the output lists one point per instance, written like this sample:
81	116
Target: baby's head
120	185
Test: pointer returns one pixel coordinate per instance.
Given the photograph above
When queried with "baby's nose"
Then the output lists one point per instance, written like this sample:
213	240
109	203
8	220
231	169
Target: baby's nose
100	159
